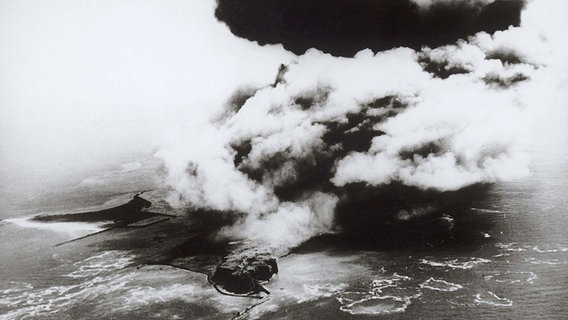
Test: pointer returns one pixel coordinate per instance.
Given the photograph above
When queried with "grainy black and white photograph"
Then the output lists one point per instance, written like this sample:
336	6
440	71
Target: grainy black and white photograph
283	159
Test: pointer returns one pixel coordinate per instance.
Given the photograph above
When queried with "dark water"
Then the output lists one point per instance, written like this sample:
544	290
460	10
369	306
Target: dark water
509	261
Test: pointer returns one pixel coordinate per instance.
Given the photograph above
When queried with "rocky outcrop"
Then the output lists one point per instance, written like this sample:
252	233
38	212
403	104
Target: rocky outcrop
243	272
125	214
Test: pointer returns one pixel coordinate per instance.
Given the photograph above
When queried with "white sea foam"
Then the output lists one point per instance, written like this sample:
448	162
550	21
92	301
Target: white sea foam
348	297
532	277
382	283
378	285
143	295
386	295
105	262
46	302
376	306
513	247
501	255
551	262
552	250
486	210
512	277
440	285
112	287
400	277
73	229
13	288
492	299
459	263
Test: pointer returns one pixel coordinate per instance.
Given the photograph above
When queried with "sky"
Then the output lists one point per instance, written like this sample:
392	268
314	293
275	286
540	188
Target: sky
85	83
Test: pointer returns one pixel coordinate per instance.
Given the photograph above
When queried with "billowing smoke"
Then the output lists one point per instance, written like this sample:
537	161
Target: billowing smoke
345	27
331	131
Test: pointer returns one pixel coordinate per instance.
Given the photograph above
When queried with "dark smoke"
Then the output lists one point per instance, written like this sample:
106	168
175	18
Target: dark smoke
507	57
313	171
344	27
496	80
441	69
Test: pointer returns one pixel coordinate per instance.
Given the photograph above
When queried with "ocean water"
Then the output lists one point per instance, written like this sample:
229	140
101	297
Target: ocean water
511	264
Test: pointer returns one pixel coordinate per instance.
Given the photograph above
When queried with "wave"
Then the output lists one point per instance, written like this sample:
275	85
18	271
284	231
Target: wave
105	283
512	277
386	296
459	263
492	299
512	246
553	250
516	247
440	285
486	210
551	262
376	306
103	263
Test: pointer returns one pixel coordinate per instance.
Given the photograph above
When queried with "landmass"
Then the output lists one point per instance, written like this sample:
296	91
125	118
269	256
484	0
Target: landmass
232	268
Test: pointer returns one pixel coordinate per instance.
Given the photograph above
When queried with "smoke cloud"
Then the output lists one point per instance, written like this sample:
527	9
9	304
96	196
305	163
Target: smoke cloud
291	145
432	122
347	26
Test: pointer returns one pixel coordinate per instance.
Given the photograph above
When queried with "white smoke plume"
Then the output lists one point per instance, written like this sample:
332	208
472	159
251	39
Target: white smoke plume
439	119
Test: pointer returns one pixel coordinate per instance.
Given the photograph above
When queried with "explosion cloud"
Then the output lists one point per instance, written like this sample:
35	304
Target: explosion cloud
292	154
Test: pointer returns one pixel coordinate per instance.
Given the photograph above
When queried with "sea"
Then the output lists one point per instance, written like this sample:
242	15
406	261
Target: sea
511	264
